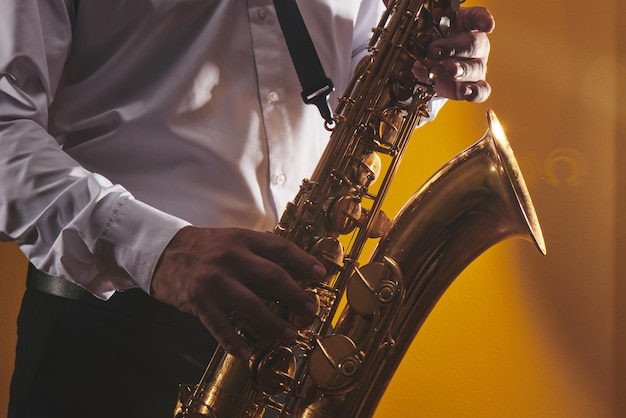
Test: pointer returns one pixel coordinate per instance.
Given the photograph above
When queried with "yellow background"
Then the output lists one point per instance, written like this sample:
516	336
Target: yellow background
517	335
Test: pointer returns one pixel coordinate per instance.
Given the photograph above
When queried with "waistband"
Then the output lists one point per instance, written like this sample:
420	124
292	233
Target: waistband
52	285
131	302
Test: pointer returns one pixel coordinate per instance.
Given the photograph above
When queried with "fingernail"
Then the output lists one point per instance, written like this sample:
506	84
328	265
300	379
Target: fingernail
459	70
290	334
319	272
469	91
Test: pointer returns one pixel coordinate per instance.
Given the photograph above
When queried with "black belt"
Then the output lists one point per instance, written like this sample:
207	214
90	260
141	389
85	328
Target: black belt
131	302
43	282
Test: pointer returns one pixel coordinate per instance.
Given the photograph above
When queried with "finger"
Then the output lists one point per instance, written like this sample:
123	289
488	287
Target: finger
297	262
256	314
474	19
448	87
283	268
466	69
272	267
460	45
273	283
223	330
476	92
248	310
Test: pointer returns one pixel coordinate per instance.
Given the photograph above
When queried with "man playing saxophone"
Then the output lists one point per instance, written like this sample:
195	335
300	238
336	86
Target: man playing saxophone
146	146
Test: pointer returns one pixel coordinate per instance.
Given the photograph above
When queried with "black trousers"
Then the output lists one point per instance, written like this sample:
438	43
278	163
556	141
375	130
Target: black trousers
115	359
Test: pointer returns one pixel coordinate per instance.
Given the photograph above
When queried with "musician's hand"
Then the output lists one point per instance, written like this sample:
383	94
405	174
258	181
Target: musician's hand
216	273
461	58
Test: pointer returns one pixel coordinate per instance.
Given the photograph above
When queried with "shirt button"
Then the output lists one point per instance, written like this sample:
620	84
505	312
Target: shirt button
262	13
273	96
280	179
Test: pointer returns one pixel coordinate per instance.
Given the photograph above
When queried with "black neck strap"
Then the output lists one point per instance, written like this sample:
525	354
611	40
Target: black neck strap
316	86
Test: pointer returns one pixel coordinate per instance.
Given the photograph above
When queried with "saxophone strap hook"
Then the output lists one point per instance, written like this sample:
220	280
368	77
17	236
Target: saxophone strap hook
316	85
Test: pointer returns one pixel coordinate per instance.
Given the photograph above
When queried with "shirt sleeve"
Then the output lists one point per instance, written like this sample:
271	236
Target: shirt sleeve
68	221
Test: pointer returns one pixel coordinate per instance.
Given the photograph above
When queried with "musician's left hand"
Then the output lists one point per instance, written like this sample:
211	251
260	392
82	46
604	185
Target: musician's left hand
460	60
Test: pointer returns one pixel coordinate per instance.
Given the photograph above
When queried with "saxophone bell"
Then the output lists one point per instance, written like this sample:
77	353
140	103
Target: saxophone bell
474	201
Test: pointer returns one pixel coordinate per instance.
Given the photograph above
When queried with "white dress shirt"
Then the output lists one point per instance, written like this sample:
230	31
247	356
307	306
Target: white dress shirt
123	121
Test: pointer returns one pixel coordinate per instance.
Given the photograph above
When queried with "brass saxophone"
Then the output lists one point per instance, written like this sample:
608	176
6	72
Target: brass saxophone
342	362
